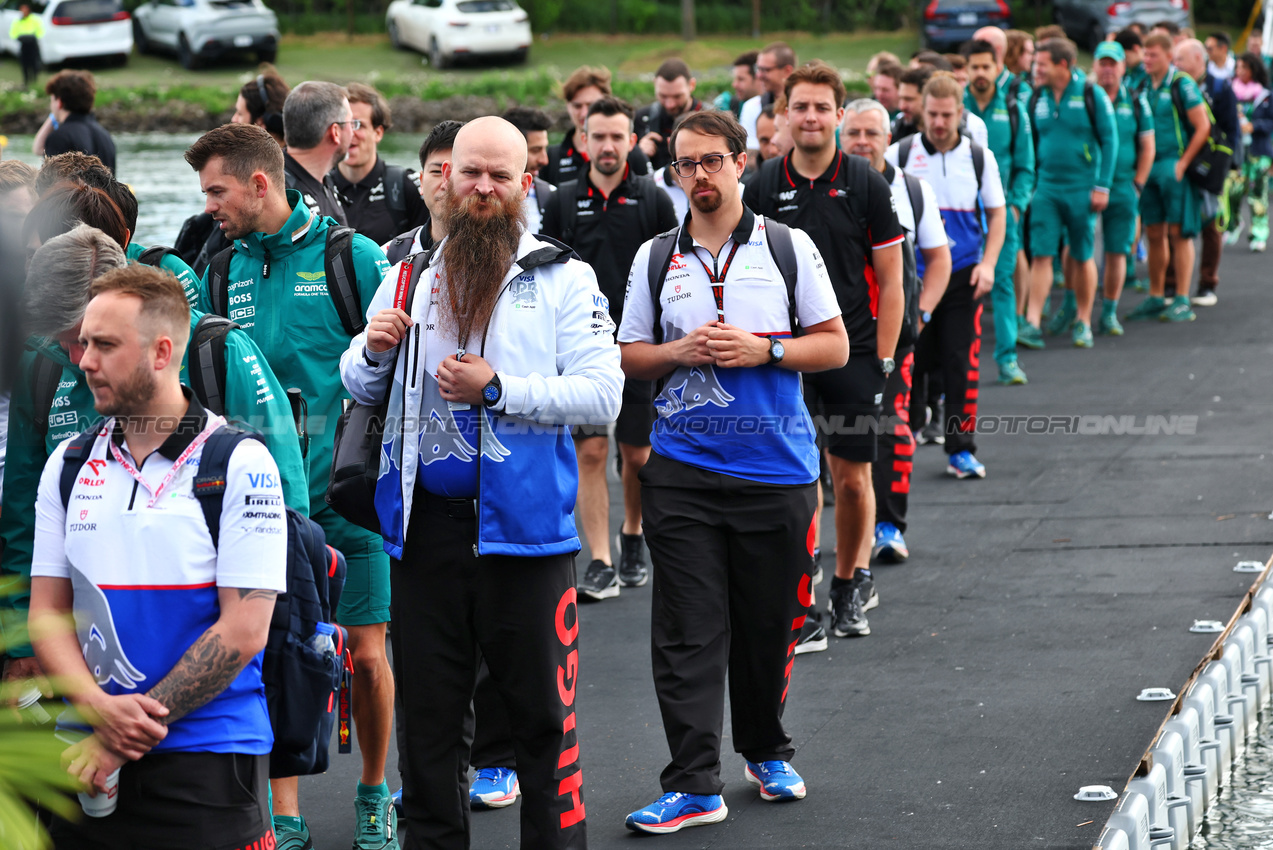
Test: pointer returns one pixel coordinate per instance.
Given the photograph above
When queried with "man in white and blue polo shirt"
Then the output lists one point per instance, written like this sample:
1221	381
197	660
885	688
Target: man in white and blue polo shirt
165	664
728	493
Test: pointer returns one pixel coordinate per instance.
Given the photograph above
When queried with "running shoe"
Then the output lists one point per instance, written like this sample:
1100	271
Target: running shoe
890	546
1258	246
632	570
1108	324
813	638
377	824
965	465
288	838
1011	373
865	582
675	811
1178	311
494	788
848	619
777	780
396	796
930	433
1151	308
1137	284
1232	236
600	581
1030	336
1062	321
1081	335
817	568
1205	298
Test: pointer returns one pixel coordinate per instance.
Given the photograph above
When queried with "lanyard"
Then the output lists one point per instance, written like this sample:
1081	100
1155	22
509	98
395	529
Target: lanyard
718	281
213	424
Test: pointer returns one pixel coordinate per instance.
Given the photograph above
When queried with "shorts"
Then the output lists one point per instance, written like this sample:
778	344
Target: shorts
636	417
851	400
1118	221
201	801
1167	200
365	599
1056	213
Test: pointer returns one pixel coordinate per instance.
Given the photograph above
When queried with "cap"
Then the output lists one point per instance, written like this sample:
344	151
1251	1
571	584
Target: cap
1110	50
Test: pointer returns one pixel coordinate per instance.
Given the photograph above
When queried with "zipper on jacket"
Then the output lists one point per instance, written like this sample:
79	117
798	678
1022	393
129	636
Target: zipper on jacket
415	361
265	266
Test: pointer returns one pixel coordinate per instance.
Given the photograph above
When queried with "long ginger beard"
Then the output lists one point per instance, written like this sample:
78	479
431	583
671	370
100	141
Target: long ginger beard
482	236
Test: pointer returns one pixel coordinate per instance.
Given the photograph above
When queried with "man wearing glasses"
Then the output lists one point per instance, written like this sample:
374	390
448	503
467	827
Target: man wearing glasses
318	125
728	493
777	61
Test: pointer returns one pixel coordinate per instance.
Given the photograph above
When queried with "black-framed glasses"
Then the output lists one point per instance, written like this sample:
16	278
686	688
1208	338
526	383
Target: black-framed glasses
712	163
354	123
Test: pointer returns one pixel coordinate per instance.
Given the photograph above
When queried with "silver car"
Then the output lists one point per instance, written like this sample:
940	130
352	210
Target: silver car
200	30
1087	22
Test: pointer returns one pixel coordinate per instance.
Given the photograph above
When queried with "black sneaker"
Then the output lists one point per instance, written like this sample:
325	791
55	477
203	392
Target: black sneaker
632	571
600	581
847	618
817	568
865	583
813	638
930	434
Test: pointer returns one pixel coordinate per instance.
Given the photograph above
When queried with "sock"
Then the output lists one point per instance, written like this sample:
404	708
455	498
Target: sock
287	822
837	582
381	790
862	571
1070	304
1109	306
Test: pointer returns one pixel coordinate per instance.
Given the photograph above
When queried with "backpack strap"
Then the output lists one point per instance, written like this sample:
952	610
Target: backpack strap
398	248
1089	103
214	463
219	281
647	194
1030	110
567	196
395	193
978	163
342	283
45	377
781	248
154	256
1014	119
1178	107
915	194
205	361
904	151
662	248
544	192
77	453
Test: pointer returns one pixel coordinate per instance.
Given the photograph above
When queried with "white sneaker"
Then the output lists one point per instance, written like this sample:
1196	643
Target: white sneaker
1257	247
1231	237
1205	298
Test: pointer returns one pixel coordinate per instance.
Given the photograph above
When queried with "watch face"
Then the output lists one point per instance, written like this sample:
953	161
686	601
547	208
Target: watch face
490	393
778	349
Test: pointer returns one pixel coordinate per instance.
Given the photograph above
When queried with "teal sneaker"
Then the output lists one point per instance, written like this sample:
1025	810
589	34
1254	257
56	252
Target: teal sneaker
1063	320
1021	323
377	827
1178	311
1109	324
1030	336
1136	284
1081	336
1010	374
288	837
1151	308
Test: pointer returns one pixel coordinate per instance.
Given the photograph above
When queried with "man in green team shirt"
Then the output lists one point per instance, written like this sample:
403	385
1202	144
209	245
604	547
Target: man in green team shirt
1076	149
1131	170
1169	204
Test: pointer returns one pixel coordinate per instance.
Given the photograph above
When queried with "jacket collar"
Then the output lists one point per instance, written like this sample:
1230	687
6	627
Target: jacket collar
301	228
741	234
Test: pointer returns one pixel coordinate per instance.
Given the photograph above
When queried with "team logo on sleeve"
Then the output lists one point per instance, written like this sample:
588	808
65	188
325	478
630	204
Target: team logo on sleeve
99	640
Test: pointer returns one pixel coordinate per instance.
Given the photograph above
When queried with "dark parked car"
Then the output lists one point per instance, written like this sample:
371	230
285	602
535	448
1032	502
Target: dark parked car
949	23
1086	22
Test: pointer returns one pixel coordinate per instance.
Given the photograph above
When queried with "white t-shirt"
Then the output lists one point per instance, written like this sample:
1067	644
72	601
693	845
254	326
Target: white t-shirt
931	232
747	117
668	184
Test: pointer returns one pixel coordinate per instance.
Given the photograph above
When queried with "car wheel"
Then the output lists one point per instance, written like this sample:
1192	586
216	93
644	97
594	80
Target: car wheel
437	58
395	40
139	38
188	59
268	56
520	56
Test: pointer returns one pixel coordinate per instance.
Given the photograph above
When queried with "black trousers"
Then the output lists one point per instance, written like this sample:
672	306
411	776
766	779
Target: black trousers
29	55
449	608
951	345
195	801
891	474
732	564
492	734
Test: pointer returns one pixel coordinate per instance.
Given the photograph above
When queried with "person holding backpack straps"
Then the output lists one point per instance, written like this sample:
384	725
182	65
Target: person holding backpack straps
166	662
477	484
607	215
299	285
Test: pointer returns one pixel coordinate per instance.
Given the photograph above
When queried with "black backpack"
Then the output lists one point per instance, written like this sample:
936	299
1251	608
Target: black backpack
398	248
395	194
338	265
978	159
912	285
301	685
569	194
1011	97
154	255
1209	169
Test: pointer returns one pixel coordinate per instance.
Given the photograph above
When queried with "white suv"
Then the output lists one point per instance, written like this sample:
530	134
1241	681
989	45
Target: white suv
452	29
199	30
73	29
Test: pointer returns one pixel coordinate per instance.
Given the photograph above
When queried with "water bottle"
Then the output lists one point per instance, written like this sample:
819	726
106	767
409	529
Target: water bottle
30	708
322	640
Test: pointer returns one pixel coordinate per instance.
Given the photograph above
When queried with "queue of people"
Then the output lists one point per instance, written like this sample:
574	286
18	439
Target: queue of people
767	303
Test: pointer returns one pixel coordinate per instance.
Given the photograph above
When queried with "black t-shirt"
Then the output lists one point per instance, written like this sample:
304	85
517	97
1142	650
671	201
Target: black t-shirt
367	207
609	231
319	197
655	119
80	132
823	208
567	161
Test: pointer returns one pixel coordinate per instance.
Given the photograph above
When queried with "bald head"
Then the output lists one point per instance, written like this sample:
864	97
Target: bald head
491	137
1191	57
997	39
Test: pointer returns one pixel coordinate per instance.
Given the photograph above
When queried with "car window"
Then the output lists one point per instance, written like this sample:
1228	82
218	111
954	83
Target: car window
429	4
12	6
472	6
85	11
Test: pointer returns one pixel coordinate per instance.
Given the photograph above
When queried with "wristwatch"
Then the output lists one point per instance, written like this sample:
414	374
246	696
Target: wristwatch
776	350
492	392
926	316
888	364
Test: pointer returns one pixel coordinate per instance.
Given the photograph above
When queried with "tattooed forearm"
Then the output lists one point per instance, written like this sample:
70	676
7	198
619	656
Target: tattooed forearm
249	593
207	669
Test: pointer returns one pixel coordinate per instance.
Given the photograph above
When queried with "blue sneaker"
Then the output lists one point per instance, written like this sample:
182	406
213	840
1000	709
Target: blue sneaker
890	547
777	780
674	811
494	788
964	465
396	796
